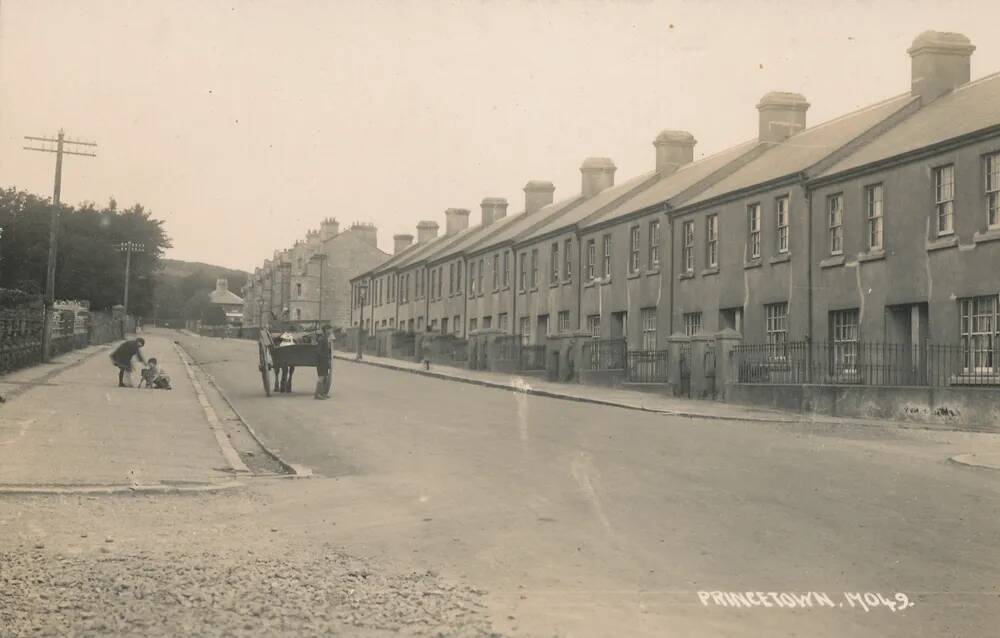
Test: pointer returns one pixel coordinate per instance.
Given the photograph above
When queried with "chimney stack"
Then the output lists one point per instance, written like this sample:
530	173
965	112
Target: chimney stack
940	62
456	220
367	232
597	174
426	231
221	284
401	243
328	229
782	115
673	150
493	208
312	238
537	194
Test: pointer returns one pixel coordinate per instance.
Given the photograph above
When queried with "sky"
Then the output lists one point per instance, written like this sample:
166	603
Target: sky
243	124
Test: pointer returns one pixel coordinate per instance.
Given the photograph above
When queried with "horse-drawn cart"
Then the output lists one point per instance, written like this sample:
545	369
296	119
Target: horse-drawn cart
284	346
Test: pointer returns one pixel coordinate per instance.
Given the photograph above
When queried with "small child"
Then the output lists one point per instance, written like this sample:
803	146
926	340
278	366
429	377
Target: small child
154	376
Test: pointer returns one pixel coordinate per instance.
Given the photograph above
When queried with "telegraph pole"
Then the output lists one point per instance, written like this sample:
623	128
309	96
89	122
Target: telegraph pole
60	143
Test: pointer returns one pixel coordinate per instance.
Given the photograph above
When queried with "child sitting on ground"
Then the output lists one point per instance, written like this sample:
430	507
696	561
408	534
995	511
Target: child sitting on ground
154	376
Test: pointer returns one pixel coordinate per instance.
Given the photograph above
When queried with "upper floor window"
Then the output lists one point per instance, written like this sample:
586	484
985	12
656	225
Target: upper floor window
451	278
298	290
687	248
835	223
712	240
522	273
534	267
873	215
781	223
606	241
496	271
944	198
654	244
633	250
567	262
993	190
440	280
506	269
591	259
458	278
753	231
472	278
479	281
554	263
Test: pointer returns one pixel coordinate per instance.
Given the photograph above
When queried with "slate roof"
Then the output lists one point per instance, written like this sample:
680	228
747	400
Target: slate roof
224	297
802	150
967	109
588	207
668	186
522	223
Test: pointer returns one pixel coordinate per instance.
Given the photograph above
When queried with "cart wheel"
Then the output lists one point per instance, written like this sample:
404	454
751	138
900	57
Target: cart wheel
265	367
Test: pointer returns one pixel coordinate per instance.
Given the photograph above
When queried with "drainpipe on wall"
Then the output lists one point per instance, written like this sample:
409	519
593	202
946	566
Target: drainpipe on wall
809	281
465	304
579	280
513	293
670	269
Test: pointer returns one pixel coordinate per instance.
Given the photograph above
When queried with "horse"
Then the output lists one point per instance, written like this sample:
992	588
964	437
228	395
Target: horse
283	373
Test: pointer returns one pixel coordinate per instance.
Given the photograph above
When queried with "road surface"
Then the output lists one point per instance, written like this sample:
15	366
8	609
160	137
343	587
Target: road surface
583	520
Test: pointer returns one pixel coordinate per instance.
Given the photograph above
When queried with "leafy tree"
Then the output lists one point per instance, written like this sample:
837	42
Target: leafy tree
214	316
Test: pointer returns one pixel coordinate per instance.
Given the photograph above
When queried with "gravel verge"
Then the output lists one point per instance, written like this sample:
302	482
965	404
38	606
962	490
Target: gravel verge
228	593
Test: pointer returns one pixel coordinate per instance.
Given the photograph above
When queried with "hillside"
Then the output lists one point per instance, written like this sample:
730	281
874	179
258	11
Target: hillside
182	287
175	268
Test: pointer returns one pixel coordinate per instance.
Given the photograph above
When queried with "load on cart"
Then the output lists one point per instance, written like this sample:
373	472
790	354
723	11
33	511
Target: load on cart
284	346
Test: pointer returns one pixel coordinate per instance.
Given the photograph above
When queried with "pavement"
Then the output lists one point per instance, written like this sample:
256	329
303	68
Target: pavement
637	400
66	425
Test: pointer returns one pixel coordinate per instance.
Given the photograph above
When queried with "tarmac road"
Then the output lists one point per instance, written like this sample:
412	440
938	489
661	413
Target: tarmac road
583	520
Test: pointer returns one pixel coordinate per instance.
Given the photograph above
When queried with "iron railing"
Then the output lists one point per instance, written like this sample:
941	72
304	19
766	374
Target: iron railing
866	363
532	358
647	366
605	354
507	348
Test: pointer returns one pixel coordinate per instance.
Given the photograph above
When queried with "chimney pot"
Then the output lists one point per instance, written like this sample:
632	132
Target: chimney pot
673	150
493	208
598	173
940	62
401	242
537	194
426	230
781	115
456	220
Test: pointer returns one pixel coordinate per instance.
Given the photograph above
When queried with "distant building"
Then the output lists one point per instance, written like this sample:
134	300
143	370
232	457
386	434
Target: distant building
231	303
311	279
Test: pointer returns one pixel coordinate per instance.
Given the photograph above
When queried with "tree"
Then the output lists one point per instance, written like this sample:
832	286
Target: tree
89	264
213	315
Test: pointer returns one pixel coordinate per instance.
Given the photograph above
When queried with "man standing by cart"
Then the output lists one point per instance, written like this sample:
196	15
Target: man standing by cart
324	363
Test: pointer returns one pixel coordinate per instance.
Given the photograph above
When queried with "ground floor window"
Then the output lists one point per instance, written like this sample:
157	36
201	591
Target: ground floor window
434	325
444	326
648	316
524	330
844	337
594	326
420	323
692	323
979	333
473	324
776	323
502	321
456	323
564	321
487	321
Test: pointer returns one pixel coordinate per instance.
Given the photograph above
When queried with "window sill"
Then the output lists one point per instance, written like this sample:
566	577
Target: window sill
533	289
872	255
567	282
831	262
710	271
992	234
634	275
753	263
653	271
941	244
589	284
605	282
686	275
554	284
781	258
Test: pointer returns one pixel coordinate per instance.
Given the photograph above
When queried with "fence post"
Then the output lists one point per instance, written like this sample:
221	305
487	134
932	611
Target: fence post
725	372
675	343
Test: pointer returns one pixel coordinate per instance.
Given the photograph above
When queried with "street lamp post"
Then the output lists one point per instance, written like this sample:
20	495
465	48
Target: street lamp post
321	258
363	297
